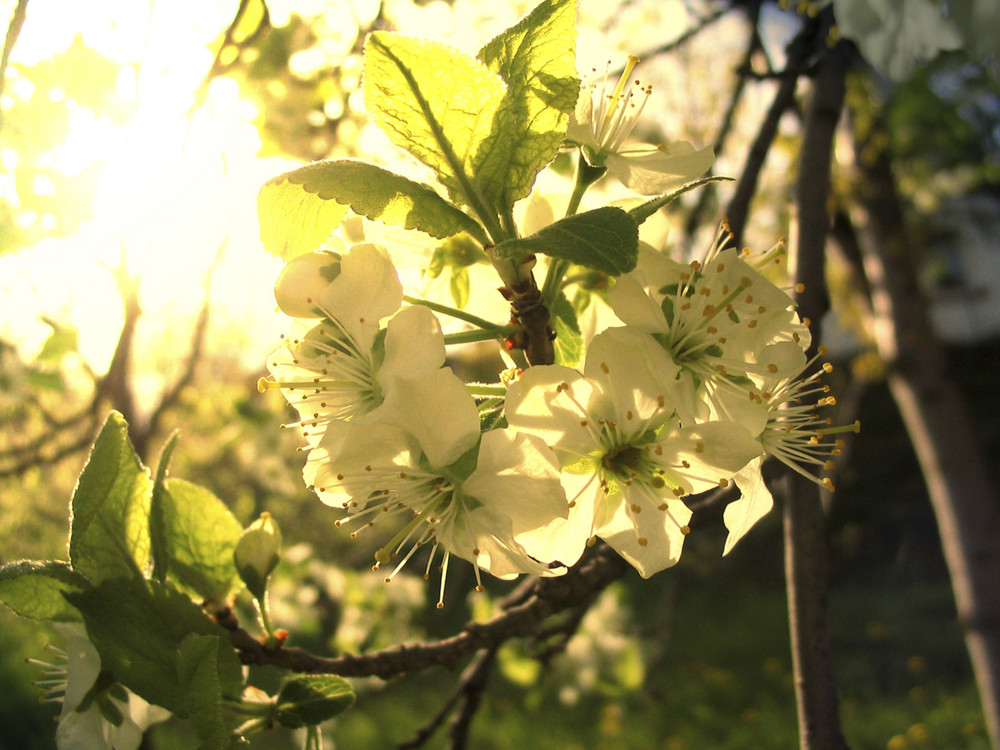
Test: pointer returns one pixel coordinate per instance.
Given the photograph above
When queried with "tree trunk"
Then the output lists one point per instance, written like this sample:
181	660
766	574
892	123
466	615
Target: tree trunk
805	522
936	418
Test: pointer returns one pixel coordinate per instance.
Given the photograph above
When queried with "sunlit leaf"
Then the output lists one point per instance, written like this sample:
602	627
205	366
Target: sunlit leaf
109	527
605	239
200	535
383	196
138	627
294	221
441	106
34	589
537	59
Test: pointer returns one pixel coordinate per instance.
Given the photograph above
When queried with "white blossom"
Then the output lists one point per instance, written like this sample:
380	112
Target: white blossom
602	123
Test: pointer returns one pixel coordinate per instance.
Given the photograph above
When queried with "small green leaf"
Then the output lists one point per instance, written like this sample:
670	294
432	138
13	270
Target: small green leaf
441	106
605	239
537	59
200	534
307	700
568	344
198	673
383	196
34	589
109	526
138	627
294	221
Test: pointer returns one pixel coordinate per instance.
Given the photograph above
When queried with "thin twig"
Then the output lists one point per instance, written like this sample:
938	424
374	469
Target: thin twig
799	51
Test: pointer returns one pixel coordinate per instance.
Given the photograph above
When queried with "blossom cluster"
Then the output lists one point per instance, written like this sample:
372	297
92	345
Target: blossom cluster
701	382
703	377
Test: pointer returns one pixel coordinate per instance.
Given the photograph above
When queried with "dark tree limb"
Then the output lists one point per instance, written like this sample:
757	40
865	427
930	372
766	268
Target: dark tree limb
804	519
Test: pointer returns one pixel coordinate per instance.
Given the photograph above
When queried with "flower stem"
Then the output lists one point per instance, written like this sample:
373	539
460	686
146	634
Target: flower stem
470	337
455	313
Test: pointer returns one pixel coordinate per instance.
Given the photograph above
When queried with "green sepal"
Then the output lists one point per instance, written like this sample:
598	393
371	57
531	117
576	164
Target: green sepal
605	239
35	588
109	523
307	700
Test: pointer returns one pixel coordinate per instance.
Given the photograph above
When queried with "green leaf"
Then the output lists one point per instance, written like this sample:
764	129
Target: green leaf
200	535
138	627
568	344
198	673
383	196
605	239
109	526
293	221
644	210
441	106
34	589
307	700
537	59
157	524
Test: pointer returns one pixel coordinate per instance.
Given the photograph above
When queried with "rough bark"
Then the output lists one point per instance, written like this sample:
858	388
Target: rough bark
964	500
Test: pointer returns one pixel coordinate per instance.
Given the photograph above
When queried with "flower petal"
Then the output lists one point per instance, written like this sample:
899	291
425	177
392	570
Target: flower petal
438	411
755	502
652	170
366	291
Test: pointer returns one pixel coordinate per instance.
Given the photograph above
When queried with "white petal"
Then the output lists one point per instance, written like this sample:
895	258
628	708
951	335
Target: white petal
518	474
413	343
302	282
564	539
438	411
366	291
636	371
755	502
661	532
537	405
634	307
652	170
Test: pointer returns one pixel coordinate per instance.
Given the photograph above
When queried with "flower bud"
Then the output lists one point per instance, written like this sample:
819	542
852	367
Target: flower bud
302	281
257	553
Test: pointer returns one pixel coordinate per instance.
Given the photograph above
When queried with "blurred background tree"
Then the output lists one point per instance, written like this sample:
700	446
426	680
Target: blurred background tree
133	137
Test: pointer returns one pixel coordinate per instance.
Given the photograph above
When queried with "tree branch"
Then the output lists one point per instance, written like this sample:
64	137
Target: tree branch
582	583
